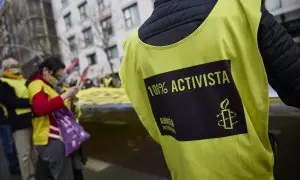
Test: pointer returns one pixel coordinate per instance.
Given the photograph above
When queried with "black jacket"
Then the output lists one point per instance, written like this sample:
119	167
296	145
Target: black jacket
3	118
9	99
173	20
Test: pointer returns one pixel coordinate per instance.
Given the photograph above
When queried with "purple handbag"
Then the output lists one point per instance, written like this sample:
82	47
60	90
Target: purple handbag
72	133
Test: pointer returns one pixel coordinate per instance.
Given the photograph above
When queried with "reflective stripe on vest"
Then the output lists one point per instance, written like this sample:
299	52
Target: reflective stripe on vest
205	98
21	92
4	110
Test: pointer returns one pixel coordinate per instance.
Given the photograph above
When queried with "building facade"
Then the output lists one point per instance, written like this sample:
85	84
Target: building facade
94	30
30	31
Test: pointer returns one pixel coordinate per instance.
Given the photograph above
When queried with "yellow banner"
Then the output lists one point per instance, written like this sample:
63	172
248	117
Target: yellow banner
103	96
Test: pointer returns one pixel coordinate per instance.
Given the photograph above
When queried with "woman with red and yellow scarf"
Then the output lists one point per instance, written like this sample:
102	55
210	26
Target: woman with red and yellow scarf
46	100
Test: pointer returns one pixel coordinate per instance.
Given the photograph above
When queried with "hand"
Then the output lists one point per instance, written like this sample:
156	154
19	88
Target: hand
71	92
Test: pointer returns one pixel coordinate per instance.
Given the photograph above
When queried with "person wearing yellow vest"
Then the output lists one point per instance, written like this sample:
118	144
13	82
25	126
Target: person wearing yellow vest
108	81
19	116
7	143
52	162
196	72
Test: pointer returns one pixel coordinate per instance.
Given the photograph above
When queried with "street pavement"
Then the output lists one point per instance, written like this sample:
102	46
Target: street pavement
97	172
96	169
118	174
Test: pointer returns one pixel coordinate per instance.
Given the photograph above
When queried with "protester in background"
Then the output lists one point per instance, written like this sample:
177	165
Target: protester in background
108	81
19	116
116	80
52	162
99	81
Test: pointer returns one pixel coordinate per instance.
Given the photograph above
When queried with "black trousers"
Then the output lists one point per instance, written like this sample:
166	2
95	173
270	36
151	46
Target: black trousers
52	163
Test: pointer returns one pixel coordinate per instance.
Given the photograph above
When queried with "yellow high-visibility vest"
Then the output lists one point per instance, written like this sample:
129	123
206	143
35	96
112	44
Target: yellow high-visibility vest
107	81
21	92
205	98
41	124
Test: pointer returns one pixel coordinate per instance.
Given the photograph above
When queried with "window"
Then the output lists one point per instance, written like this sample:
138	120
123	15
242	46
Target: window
82	10
92	59
64	2
72	44
101	4
88	36
48	9
112	52
68	21
107	27
131	16
37	25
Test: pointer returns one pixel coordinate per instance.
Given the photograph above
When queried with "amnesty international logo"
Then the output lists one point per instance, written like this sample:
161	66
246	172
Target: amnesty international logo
178	97
227	117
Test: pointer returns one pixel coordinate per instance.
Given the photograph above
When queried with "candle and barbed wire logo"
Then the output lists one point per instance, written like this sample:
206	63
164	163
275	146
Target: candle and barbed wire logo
227	117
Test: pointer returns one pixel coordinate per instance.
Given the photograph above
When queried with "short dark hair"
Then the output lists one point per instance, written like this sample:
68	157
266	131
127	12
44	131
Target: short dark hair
52	63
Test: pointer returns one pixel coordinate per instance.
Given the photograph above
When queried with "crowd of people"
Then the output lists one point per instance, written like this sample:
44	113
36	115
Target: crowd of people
31	137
